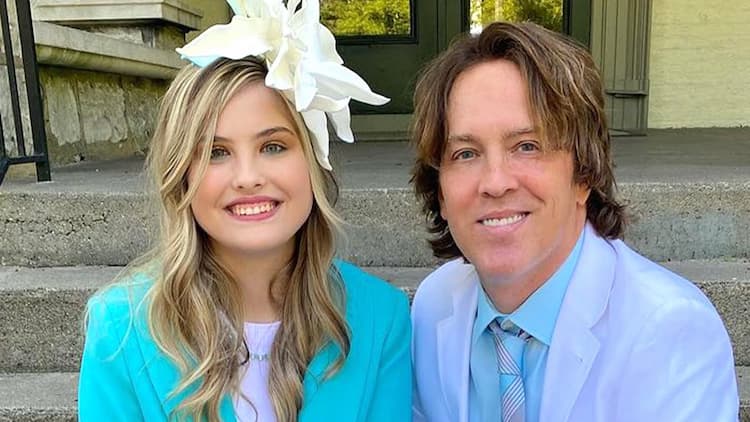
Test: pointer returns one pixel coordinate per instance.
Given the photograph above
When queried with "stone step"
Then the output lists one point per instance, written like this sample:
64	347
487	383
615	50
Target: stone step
41	308
37	397
672	221
689	194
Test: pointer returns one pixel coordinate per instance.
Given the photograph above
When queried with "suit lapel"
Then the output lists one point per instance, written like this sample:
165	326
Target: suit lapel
568	365
574	346
454	345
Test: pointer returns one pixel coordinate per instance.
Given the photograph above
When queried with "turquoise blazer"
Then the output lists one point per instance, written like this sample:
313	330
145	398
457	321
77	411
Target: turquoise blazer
125	377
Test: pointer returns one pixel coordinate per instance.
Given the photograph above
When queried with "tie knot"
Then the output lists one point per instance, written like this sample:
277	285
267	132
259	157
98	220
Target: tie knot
506	327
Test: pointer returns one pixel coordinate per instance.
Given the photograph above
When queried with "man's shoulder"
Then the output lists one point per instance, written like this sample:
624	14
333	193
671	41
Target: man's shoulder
644	293
651	283
439	288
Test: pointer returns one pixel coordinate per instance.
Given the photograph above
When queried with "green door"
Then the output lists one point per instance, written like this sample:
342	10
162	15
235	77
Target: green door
619	44
386	42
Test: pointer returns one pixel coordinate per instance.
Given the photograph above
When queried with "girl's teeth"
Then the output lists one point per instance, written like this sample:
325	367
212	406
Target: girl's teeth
252	210
498	222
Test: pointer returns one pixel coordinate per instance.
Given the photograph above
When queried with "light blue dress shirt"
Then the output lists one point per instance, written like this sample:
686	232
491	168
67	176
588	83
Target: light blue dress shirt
537	316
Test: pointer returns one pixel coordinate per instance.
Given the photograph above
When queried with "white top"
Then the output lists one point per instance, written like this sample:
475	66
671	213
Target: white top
254	384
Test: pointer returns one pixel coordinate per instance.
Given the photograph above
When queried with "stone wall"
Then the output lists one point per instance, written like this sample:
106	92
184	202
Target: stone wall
164	37
94	116
213	11
102	70
699	61
88	115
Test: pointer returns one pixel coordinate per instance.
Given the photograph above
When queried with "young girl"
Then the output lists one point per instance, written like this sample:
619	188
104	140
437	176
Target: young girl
242	313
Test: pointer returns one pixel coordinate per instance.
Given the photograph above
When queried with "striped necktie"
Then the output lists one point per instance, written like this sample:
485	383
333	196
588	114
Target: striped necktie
509	348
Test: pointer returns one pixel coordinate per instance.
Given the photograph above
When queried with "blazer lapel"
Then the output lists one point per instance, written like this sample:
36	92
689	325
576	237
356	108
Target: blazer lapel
454	345
315	401
165	376
574	346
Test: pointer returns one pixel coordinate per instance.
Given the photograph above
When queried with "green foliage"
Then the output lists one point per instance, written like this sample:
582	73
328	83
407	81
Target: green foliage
366	17
547	13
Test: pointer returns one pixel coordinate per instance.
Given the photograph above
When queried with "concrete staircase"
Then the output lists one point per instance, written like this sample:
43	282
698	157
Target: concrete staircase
60	241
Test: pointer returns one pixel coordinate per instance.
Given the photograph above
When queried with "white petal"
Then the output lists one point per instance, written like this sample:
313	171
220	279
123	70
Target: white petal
316	123
292	5
342	122
336	81
240	38
264	9
305	88
326	50
281	69
328	104
310	11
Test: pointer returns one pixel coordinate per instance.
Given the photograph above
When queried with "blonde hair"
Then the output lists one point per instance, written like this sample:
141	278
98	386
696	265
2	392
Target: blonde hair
194	311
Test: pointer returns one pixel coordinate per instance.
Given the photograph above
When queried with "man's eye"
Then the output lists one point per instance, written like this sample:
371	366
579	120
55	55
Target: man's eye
273	148
528	146
464	155
218	153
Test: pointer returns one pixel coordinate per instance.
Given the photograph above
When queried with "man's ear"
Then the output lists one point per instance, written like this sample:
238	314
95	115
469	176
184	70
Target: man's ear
582	194
441	202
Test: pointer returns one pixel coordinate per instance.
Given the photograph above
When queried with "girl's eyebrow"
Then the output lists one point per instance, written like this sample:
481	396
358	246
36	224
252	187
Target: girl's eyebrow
273	130
262	134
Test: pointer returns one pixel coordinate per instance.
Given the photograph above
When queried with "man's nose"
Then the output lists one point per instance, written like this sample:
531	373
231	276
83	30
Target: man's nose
498	177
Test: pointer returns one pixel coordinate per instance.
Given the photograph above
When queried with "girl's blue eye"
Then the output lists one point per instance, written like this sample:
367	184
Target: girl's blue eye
273	148
218	153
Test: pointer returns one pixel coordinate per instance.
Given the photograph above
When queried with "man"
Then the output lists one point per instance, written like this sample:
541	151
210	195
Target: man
544	315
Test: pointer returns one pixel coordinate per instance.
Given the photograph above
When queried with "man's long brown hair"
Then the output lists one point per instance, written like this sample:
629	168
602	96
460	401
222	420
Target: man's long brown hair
567	105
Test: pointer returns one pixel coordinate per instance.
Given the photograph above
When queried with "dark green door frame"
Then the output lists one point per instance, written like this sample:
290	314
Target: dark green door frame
577	20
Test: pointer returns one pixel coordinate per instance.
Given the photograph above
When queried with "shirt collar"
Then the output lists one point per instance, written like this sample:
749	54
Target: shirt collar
538	314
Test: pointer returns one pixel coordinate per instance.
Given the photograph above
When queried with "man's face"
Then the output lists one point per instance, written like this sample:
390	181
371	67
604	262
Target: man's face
510	201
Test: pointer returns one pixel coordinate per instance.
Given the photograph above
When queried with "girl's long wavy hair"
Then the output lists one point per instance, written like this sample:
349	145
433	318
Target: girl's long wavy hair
194	309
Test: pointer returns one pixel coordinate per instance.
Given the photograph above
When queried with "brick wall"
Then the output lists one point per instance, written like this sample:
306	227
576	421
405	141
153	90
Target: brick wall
700	64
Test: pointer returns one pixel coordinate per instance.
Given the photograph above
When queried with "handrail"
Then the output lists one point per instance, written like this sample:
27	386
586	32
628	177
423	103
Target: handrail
33	94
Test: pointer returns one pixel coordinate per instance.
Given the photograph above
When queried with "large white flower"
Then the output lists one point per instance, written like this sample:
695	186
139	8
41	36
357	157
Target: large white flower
302	62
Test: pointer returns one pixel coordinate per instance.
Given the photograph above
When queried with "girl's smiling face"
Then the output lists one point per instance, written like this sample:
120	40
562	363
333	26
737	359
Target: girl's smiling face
256	191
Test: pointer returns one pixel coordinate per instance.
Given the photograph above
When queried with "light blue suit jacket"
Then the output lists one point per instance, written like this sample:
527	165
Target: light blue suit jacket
125	377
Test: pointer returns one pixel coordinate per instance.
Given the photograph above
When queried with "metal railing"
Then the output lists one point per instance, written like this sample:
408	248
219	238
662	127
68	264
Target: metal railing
33	93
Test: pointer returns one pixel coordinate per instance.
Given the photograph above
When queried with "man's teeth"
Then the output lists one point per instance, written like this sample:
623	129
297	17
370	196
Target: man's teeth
497	222
253	209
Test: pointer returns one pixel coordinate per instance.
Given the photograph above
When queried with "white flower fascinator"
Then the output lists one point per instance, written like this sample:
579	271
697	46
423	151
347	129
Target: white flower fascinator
302	62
